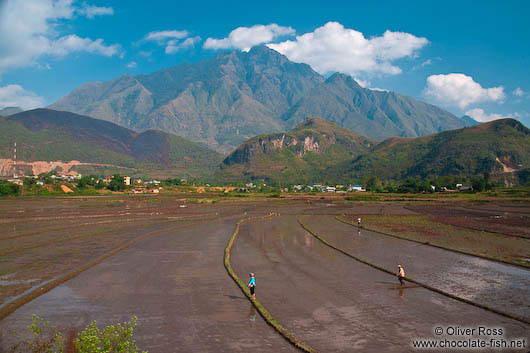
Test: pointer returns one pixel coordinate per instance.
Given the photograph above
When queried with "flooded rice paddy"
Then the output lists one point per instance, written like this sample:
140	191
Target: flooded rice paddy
169	273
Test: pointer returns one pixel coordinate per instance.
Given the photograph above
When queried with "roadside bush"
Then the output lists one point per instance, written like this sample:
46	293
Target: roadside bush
48	339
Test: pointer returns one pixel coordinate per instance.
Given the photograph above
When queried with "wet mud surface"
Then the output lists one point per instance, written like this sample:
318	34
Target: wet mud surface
175	283
511	219
500	286
335	304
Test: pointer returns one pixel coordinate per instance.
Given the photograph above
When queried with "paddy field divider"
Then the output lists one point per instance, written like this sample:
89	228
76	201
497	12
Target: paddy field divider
421	284
257	304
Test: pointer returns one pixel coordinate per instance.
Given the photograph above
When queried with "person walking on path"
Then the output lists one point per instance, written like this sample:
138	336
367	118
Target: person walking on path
400	274
359	222
252	286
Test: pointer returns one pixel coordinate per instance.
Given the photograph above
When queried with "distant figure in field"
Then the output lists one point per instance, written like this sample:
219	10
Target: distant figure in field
400	274
359	222
252	286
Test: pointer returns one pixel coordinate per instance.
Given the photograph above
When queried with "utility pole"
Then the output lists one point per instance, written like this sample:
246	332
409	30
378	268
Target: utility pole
15	161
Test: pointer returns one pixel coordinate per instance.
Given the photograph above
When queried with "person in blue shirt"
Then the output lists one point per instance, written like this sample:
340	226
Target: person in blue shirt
252	286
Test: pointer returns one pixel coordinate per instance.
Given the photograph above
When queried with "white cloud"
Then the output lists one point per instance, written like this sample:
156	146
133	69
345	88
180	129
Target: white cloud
173	40
518	92
30	29
426	63
162	36
246	37
93	11
72	43
362	83
522	115
174	46
16	96
132	65
332	48
461	90
481	116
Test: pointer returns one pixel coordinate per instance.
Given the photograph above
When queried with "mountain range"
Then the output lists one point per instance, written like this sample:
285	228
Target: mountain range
316	150
320	151
47	139
234	96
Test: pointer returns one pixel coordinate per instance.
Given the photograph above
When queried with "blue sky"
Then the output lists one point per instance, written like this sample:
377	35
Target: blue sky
461	56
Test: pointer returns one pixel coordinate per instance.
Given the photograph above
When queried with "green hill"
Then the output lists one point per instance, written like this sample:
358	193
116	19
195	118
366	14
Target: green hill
298	156
48	135
319	151
495	147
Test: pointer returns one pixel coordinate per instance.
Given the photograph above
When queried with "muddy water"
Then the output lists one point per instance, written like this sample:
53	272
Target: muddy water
177	286
335	304
504	287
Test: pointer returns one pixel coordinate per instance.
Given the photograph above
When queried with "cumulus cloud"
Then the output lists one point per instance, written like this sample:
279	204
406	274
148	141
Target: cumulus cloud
174	46
132	65
332	48
362	83
173	40
246	37
93	11
481	116
72	43
426	63
518	92
461	90
16	96
163	36
30	29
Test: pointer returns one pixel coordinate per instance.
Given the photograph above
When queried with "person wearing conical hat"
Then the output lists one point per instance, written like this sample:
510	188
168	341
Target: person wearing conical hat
401	274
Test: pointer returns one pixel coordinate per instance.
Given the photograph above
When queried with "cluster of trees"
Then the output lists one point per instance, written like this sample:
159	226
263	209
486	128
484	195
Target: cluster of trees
117	183
7	188
421	185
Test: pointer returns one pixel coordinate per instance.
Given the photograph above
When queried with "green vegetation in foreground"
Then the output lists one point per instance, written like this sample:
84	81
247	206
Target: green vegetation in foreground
49	339
480	243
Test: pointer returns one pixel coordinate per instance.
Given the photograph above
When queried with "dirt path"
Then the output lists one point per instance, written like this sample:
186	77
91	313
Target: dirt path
335	304
503	287
175	283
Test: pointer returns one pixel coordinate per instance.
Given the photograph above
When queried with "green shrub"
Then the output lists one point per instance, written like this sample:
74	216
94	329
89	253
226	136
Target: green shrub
48	339
114	338
7	188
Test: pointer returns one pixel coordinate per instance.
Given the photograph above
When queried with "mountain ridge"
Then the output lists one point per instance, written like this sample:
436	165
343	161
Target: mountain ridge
48	135
227	99
501	146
